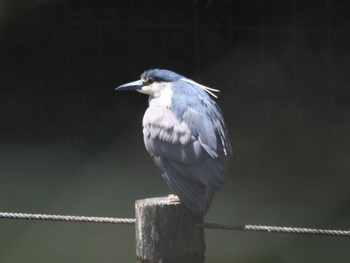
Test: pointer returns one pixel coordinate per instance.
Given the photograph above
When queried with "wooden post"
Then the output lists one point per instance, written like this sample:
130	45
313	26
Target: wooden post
167	232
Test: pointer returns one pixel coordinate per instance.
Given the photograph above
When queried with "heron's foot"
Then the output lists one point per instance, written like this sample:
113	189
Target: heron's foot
173	198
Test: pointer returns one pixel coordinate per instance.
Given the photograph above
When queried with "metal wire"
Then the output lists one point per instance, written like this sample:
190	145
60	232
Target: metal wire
68	218
280	229
113	220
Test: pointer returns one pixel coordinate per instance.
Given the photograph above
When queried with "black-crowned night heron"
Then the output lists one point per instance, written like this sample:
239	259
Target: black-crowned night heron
184	132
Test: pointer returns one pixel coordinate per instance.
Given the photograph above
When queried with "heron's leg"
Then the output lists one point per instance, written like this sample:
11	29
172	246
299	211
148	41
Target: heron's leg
173	198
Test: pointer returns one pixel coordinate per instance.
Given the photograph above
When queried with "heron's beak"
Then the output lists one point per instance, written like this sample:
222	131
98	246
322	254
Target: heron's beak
135	85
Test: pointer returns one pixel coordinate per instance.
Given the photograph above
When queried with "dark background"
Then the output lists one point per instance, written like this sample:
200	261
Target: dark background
71	145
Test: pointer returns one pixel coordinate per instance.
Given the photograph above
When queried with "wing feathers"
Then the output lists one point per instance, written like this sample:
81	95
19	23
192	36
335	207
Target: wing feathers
191	194
190	150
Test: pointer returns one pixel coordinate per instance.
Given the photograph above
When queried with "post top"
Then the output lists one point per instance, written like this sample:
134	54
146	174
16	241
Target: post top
164	200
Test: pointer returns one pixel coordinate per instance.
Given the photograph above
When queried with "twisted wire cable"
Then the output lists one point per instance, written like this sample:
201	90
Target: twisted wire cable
68	218
113	220
280	229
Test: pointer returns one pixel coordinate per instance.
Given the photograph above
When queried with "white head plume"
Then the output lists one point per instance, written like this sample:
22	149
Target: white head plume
207	89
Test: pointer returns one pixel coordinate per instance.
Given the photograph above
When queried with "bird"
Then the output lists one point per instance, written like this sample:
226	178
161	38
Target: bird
185	134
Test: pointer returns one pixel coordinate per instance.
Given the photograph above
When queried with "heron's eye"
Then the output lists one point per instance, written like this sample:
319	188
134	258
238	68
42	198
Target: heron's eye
148	81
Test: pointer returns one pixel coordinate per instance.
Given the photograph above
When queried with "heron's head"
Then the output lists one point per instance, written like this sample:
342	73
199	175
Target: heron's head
152	81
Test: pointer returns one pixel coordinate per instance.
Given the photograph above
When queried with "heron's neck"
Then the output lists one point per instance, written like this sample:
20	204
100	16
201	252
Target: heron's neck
161	98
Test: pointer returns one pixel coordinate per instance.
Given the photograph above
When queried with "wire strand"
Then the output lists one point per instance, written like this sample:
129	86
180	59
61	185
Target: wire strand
113	220
280	229
68	218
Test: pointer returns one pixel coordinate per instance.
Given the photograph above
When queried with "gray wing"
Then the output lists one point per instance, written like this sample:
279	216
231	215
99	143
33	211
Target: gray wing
188	152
